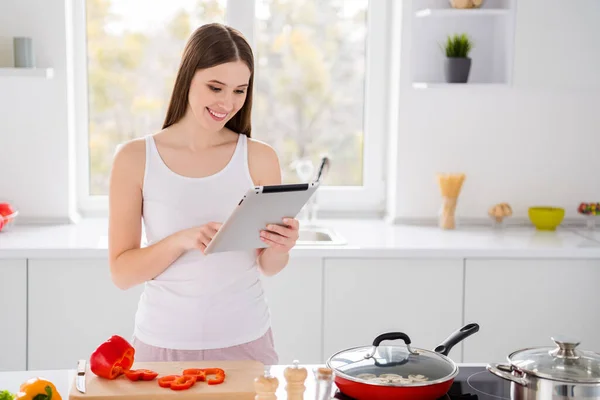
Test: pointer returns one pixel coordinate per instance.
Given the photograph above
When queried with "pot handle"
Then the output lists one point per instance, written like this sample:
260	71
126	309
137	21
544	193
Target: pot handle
456	337
390	336
505	372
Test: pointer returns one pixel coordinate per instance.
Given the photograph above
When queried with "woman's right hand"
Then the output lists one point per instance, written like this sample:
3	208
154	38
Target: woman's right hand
199	237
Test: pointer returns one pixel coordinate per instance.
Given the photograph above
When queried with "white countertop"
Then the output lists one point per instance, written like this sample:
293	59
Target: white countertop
364	238
63	379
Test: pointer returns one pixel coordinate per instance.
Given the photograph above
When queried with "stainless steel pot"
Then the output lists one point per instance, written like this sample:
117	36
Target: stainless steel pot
552	373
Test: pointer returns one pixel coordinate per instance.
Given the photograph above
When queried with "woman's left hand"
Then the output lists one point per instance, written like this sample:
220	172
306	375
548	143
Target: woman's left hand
281	238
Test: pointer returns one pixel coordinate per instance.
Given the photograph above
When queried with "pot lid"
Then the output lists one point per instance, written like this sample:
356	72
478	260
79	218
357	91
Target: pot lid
563	362
393	365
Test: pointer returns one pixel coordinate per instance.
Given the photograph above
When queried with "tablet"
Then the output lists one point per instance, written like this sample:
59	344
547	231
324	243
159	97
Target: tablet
260	206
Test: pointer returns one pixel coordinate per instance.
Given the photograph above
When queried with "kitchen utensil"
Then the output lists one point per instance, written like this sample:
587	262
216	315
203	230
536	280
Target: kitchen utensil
294	378
323	168
561	372
546	218
372	372
266	386
239	383
323	383
80	378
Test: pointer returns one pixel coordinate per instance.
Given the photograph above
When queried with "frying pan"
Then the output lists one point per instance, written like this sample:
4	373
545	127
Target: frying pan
397	372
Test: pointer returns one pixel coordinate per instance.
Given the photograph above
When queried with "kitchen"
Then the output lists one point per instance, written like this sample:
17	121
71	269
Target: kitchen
526	139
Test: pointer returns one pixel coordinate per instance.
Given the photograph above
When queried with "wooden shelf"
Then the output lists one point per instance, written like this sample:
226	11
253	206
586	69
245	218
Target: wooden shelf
47	73
451	12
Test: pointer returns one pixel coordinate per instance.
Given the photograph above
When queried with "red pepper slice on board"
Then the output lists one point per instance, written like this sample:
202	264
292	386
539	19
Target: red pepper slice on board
197	372
218	372
166	381
112	358
183	382
141	374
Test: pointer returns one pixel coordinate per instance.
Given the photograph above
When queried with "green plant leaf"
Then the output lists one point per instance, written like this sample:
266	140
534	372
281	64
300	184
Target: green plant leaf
458	45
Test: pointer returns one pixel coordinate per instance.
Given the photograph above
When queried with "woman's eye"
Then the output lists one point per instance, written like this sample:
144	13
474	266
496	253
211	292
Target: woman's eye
240	91
214	89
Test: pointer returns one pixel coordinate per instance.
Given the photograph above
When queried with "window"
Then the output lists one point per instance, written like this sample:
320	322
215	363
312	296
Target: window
319	85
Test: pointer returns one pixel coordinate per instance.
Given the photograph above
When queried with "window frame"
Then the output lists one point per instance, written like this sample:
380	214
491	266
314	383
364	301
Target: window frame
333	201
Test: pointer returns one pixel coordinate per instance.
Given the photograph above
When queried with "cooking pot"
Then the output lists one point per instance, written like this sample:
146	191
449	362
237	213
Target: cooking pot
559	372
388	372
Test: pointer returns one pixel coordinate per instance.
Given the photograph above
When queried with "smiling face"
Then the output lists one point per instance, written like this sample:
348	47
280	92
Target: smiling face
218	93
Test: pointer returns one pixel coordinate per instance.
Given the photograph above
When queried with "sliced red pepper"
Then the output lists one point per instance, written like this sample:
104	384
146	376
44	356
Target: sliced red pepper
112	358
218	372
197	372
141	374
183	382
166	381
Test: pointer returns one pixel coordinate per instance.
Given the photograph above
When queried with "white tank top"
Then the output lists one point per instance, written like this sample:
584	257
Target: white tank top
199	302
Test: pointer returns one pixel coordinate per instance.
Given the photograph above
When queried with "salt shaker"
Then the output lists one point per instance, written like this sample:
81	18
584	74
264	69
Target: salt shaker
295	377
324	383
265	386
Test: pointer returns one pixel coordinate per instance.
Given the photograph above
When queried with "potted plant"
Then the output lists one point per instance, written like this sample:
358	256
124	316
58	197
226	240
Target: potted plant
458	63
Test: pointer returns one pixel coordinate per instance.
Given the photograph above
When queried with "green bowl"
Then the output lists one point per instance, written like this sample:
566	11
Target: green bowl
546	218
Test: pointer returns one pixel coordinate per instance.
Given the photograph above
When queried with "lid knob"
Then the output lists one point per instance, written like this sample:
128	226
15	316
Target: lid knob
566	347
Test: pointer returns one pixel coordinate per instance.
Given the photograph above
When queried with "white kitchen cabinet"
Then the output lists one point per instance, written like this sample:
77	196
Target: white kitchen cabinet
295	299
366	297
73	307
13	314
522	303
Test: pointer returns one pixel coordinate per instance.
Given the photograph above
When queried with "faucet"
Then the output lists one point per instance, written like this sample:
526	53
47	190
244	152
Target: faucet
311	205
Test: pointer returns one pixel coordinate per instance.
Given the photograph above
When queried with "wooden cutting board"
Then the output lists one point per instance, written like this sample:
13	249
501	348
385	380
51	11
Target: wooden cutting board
239	383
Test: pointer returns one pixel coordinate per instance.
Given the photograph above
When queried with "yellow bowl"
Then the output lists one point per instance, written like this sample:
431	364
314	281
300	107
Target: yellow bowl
546	218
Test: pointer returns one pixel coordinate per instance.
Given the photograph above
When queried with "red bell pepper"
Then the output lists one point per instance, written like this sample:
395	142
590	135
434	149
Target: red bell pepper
165	381
197	372
177	382
112	358
220	375
141	374
183	382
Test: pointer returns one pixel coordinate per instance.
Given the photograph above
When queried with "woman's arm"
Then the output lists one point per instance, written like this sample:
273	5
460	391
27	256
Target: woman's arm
265	170
129	264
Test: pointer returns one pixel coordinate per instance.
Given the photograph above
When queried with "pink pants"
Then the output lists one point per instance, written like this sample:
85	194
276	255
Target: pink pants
261	349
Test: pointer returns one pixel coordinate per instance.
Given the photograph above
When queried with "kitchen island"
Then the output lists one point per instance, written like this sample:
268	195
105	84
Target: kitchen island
472	380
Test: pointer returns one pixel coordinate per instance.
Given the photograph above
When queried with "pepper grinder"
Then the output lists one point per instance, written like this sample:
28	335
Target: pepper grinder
295	377
265	386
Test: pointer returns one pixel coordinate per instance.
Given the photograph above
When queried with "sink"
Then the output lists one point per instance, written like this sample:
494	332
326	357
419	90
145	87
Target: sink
318	236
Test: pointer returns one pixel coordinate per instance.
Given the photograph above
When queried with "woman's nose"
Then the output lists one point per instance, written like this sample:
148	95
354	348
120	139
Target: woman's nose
227	102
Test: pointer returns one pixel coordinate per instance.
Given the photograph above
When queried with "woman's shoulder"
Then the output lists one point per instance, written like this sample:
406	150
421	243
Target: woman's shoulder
263	163
130	159
261	149
131	151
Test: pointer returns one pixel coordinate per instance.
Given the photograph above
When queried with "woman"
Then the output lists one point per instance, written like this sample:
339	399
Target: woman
184	181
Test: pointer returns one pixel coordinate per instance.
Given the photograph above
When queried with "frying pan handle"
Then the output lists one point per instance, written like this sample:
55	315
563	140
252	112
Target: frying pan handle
455	338
391	336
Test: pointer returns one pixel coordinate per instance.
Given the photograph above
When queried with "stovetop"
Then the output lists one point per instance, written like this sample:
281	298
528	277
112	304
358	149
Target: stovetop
471	383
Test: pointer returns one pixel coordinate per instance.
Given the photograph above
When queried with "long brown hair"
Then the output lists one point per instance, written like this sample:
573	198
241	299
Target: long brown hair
210	45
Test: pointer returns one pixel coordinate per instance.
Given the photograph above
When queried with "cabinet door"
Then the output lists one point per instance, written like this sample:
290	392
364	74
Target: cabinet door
366	297
523	303
73	307
295	300
13	314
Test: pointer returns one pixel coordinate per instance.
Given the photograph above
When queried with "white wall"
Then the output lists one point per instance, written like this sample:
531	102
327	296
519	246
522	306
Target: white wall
33	115
534	143
530	144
